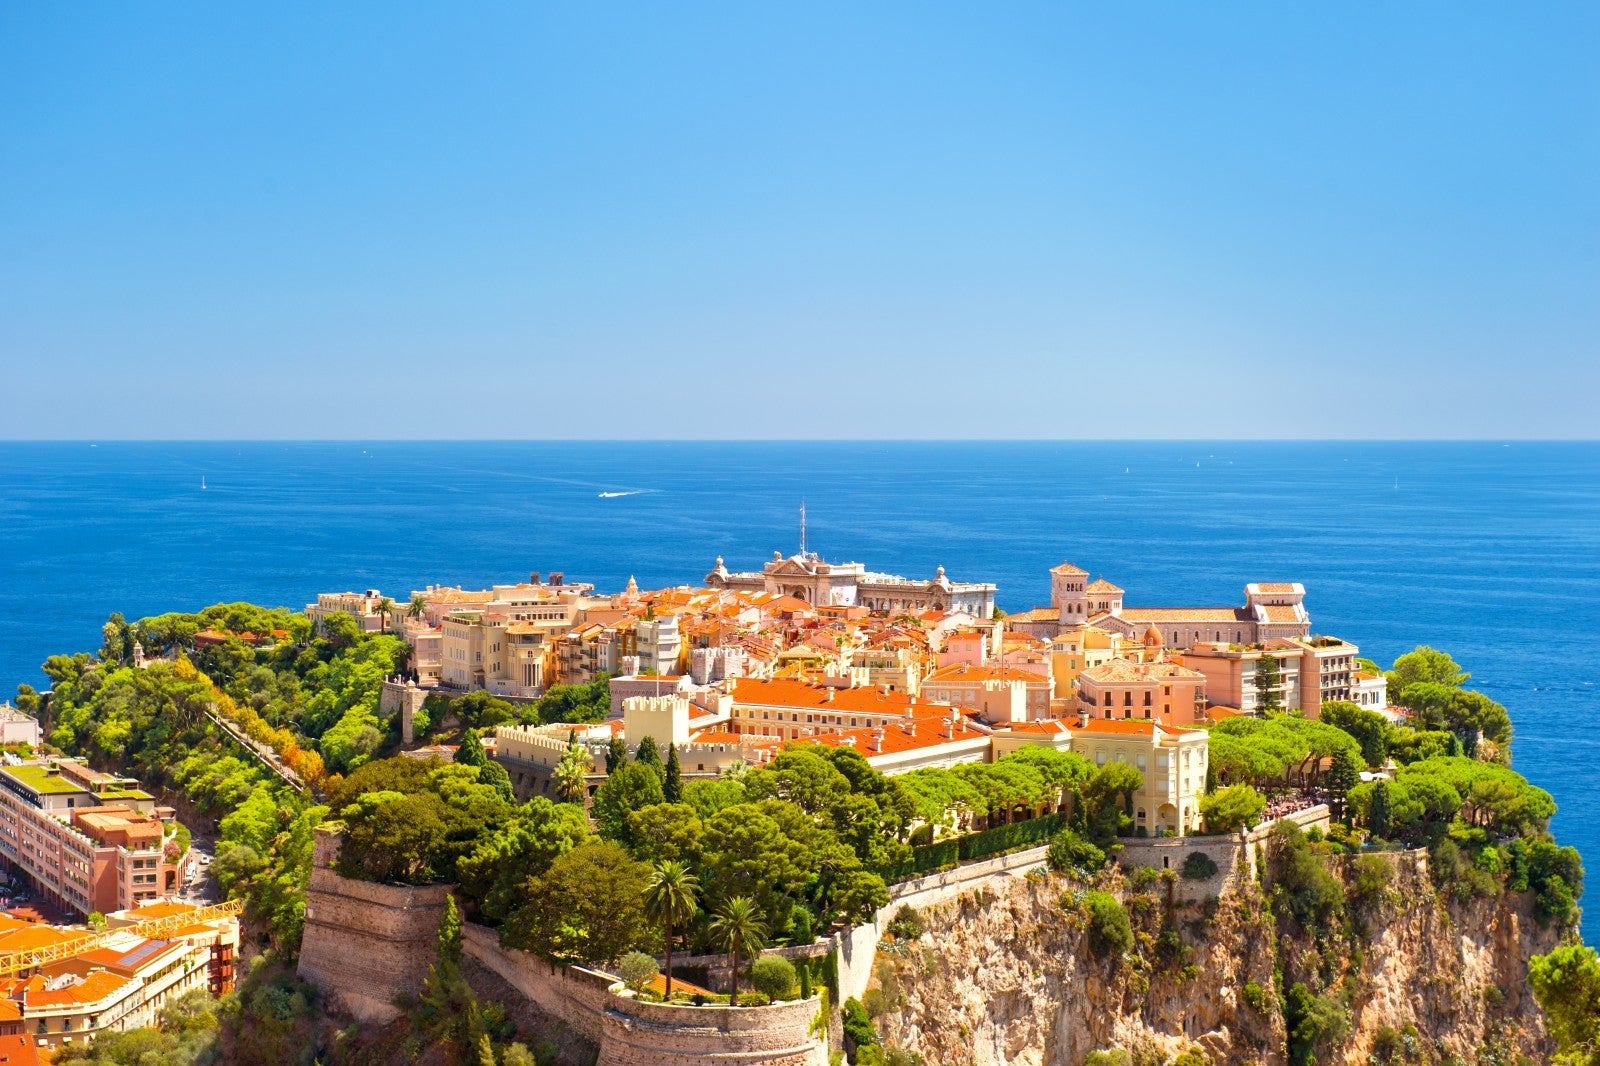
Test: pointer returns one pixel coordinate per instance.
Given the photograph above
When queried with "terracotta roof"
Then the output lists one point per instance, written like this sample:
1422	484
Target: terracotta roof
1068	568
95	987
785	692
18	1049
1280	613
165	908
1122	727
1035	614
1274	586
1048	728
926	732
1185	614
1100	584
963	674
1121	670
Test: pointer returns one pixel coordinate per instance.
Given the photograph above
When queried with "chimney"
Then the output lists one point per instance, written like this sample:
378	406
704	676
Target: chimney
910	726
533	578
1083	719
557	577
875	741
949	730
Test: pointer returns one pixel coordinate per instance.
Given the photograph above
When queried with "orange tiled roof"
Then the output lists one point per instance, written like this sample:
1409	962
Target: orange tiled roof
926	732
1068	568
1125	727
1035	614
165	908
784	692
1100	584
1051	727
1275	586
1121	670
1184	614
95	987
964	674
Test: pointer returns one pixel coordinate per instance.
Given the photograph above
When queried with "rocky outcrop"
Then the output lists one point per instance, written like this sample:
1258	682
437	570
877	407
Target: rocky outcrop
1006	974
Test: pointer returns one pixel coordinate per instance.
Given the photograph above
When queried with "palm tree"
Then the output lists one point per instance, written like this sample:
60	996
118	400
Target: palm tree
417	606
738	930
571	773
669	900
385	609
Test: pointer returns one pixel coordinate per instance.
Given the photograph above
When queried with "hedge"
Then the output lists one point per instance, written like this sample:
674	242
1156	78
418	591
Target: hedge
927	858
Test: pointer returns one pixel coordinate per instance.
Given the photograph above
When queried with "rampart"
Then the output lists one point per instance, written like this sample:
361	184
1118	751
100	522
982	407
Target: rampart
366	944
630	1033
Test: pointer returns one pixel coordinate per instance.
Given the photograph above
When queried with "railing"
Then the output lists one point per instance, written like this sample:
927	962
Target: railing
13	963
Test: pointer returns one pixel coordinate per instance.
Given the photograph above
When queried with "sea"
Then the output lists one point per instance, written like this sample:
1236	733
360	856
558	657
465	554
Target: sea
1488	550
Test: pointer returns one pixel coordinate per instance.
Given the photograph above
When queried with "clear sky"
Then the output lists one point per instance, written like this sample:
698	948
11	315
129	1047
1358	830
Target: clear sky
762	220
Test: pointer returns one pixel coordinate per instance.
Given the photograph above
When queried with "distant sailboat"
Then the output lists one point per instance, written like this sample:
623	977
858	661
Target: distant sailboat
202	483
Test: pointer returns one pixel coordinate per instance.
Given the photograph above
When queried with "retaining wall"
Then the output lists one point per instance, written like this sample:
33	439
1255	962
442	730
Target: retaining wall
630	1033
367	944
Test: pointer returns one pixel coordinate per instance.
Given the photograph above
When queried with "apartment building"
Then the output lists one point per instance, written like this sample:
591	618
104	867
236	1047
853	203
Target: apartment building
75	985
86	841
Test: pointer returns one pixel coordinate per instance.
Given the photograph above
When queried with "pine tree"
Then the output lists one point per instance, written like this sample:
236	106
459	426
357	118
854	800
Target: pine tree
470	753
672	787
1343	775
616	754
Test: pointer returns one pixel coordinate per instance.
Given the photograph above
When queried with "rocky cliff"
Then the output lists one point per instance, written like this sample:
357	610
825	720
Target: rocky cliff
1020	972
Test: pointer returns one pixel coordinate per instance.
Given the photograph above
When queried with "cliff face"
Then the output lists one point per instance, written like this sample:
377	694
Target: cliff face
1007	975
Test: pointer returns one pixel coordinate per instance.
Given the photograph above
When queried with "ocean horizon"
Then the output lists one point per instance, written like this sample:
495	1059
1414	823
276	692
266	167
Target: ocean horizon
1487	549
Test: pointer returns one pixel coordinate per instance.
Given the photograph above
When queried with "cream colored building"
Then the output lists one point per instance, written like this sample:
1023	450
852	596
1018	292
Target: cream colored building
1231	673
805	576
1172	761
964	686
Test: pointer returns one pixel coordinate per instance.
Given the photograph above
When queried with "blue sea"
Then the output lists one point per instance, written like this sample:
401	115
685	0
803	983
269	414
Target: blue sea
1488	550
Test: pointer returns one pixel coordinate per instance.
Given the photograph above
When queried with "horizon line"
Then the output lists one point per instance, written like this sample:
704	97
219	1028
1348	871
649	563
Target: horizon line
800	440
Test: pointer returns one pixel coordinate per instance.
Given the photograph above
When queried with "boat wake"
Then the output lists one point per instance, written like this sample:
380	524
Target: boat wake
614	495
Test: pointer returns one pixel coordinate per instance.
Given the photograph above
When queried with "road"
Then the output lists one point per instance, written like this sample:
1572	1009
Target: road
202	887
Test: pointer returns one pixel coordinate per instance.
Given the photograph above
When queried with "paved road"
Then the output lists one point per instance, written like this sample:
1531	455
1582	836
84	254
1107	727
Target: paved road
201	887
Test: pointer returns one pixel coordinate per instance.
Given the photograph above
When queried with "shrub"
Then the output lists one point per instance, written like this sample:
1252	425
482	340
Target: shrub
1371	876
858	1030
1110	932
1256	997
1114	1057
637	970
773	976
1193	1057
1145	876
1071	854
906	924
876	1002
1198	866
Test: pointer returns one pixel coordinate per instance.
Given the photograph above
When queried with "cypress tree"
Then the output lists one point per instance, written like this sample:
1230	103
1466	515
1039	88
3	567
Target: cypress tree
616	754
672	787
1379	815
648	754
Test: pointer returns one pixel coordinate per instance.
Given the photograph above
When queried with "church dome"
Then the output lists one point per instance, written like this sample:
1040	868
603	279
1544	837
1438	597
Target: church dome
1153	638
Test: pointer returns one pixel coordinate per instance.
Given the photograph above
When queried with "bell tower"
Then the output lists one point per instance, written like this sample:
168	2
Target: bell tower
1069	593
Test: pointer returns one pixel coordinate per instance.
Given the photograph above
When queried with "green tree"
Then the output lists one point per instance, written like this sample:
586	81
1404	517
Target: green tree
1231	808
416	607
470	753
588	907
773	976
670	901
1423	664
638	969
1072	854
737	929
1369	728
616	754
1566	983
1267	680
649	754
1380	814
492	875
572	772
666	831
1344	775
1110	932
631	788
385	608
446	1009
672	782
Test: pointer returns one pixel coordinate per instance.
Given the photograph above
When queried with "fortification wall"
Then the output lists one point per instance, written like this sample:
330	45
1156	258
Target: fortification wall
629	1033
1232	859
366	944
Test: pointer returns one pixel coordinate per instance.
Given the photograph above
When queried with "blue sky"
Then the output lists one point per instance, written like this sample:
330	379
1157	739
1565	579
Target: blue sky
917	220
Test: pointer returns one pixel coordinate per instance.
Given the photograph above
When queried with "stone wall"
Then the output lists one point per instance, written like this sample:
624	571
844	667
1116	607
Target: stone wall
1233	860
366	944
630	1033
